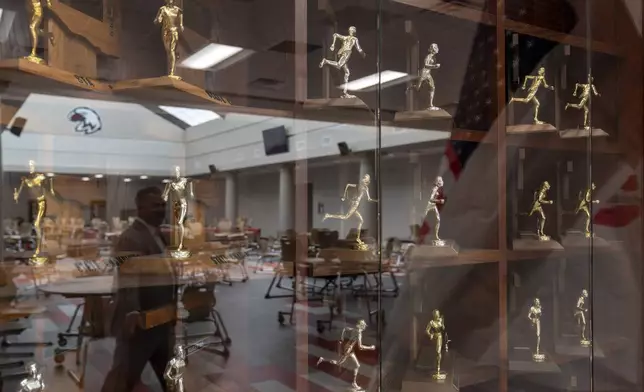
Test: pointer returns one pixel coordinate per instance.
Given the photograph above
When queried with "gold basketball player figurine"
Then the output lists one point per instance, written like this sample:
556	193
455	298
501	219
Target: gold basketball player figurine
580	316
35	11
436	331
540	198
182	189
174	370
584	97
344	53
36	183
354	204
426	75
350	340
33	382
585	200
534	315
170	16
537	81
432	206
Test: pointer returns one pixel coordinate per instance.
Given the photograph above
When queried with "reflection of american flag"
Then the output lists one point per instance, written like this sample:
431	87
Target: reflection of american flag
475	110
620	215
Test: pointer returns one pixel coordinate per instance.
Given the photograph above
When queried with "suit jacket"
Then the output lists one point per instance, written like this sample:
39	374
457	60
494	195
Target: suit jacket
145	282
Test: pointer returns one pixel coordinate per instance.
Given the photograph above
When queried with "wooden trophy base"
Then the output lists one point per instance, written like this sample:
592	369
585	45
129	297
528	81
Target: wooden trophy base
582	132
578	239
523	129
570	345
168	90
434	119
338	109
41	77
530	242
433	250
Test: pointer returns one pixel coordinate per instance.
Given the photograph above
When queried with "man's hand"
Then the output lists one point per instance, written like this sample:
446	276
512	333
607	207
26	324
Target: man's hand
48	3
363	54
342	198
132	320
371	347
332	48
551	88
15	196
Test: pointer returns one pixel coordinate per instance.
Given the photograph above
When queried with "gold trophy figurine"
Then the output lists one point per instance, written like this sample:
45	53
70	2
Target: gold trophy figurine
426	75
432	206
350	340
33	382
580	316
36	182
584	97
354	204
540	198
35	11
174	370
537	81
182	189
170	16
534	315
585	199
344	53
436	331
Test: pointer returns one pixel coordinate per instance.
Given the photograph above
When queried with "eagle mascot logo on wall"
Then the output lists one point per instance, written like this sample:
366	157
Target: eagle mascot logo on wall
87	120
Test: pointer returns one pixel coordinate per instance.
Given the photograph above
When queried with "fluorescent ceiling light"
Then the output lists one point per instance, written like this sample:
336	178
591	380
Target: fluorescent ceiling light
50	174
144	177
192	117
166	181
127	180
373	80
98	175
85	179
210	56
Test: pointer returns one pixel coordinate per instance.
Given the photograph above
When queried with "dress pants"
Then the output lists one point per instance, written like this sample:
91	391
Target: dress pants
155	345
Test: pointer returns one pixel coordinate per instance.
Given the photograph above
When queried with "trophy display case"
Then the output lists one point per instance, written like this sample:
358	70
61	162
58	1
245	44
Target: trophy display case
486	153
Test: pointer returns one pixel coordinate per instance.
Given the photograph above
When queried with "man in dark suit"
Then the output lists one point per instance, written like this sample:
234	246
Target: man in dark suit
146	291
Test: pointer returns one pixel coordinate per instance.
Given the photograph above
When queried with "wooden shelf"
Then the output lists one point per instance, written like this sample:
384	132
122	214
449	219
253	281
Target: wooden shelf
478	16
165	90
465	257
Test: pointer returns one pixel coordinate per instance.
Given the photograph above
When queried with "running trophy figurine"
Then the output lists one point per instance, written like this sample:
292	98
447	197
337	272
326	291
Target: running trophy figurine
35	10
436	332
537	82
540	198
426	75
33	382
580	315
182	189
432	207
174	370
354	204
351	339
584	97
534	315
344	53
585	200
170	17
37	182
